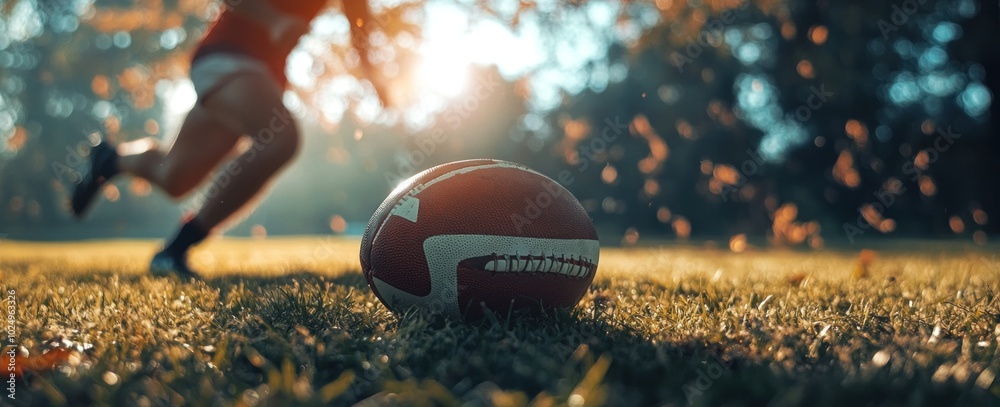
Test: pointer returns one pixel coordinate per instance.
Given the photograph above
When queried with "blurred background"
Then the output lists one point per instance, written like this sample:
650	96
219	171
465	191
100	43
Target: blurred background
742	122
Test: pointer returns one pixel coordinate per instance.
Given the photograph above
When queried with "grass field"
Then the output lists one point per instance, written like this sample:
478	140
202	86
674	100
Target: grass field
291	322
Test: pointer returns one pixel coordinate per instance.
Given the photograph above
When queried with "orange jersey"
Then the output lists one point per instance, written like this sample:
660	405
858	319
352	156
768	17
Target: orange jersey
234	33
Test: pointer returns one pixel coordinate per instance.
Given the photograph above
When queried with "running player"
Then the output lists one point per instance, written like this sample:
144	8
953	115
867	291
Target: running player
238	72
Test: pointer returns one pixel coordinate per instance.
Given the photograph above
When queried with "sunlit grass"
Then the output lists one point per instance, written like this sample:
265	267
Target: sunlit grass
291	321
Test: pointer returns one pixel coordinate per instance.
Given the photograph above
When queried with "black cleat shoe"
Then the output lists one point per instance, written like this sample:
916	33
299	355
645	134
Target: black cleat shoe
166	265
102	167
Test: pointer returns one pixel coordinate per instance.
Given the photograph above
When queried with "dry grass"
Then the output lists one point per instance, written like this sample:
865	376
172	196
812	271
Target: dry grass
290	321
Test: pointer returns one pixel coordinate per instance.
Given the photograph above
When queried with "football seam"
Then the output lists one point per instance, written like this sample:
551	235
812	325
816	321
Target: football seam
545	264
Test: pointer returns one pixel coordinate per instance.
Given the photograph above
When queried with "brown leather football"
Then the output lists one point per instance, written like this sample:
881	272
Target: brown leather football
479	234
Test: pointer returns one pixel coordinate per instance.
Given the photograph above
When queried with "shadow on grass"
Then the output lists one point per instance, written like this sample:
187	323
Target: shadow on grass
309	328
328	325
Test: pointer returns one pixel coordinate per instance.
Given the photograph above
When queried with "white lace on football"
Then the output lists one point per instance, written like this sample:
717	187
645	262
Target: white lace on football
575	267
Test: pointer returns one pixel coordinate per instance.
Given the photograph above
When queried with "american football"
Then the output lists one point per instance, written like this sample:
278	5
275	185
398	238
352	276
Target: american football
468	236
500	203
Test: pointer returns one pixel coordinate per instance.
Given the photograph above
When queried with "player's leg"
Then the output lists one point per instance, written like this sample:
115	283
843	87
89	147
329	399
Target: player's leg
201	144
250	102
103	165
253	102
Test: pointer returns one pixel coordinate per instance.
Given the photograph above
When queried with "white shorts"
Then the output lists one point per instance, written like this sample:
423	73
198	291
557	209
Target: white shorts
215	69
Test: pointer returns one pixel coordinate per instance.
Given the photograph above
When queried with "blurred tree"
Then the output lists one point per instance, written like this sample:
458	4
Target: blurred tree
71	70
844	115
802	121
